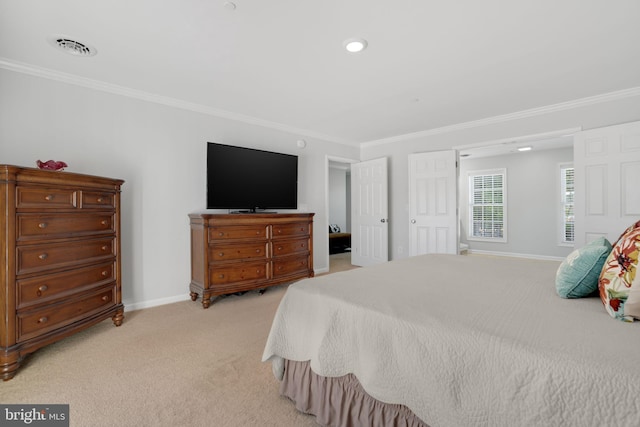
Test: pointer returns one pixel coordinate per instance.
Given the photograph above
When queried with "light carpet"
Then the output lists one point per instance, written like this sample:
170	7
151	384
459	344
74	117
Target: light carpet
172	365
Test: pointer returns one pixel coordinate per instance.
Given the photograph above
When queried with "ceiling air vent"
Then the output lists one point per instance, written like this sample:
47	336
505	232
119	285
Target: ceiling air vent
72	47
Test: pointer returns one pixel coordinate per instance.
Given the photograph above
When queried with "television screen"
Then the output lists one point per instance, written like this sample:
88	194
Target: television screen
249	179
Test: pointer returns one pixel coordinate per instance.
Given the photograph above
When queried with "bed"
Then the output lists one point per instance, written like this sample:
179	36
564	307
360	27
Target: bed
339	242
451	340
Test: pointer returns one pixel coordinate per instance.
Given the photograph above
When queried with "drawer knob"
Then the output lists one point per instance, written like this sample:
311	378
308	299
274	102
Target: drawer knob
104	273
258	271
105	298
257	251
279	231
279	248
43	256
48	197
221	234
221	276
104	248
41	289
99	200
279	267
221	254
43	319
42	225
104	222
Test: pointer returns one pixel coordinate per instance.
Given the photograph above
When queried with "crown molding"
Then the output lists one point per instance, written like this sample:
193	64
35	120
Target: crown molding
562	106
32	70
162	100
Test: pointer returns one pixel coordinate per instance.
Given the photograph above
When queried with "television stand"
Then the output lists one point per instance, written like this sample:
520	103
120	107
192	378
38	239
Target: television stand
238	253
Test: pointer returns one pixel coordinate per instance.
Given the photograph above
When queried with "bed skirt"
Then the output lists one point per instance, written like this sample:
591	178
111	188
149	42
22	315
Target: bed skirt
340	401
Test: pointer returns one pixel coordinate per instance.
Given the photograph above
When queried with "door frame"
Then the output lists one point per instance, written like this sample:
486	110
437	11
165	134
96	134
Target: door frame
568	132
521	138
325	227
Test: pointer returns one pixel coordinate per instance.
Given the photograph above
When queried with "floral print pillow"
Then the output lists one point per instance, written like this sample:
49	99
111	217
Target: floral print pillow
619	284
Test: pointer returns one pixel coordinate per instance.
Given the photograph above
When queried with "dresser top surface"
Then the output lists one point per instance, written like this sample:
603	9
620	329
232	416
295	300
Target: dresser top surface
11	173
257	216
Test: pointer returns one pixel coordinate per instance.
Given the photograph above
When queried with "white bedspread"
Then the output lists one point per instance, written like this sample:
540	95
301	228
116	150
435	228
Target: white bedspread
466	341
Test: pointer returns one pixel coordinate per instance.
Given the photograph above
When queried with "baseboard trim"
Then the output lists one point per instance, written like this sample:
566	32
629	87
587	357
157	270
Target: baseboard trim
516	255
154	302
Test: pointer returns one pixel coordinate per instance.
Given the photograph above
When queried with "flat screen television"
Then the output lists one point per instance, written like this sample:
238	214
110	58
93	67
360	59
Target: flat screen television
250	180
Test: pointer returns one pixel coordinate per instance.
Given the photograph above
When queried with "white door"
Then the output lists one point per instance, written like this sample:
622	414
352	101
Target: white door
433	202
607	173
369	210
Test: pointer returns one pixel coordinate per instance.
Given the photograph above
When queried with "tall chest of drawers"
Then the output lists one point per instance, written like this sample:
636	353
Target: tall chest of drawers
60	247
240	252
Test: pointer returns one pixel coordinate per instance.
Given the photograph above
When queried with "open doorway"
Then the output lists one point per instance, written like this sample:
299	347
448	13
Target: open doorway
511	196
338	196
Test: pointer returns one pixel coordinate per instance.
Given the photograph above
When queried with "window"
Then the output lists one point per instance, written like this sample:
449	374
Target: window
487	205
567	191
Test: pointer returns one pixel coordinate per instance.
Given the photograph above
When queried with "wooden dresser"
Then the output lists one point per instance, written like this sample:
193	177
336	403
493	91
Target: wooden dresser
240	252
60	246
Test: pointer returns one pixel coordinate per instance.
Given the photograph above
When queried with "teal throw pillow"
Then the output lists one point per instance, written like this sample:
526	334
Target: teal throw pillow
577	276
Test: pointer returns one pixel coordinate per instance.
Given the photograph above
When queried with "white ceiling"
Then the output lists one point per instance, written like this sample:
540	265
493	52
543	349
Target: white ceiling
429	64
513	146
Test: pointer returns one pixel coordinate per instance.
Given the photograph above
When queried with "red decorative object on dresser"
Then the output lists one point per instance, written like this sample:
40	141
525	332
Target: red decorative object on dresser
51	165
60	246
239	252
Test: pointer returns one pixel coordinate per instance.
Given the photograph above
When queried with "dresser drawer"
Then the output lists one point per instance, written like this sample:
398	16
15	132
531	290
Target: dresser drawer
43	257
41	289
288	247
43	198
289	230
288	266
63	225
37	322
239	272
92	199
236	252
240	232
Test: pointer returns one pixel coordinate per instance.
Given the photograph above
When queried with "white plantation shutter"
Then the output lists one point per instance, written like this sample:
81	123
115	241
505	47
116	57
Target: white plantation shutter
567	191
487	194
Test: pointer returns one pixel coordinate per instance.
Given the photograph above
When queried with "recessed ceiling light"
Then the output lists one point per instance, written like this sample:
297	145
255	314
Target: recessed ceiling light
72	47
355	45
524	148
